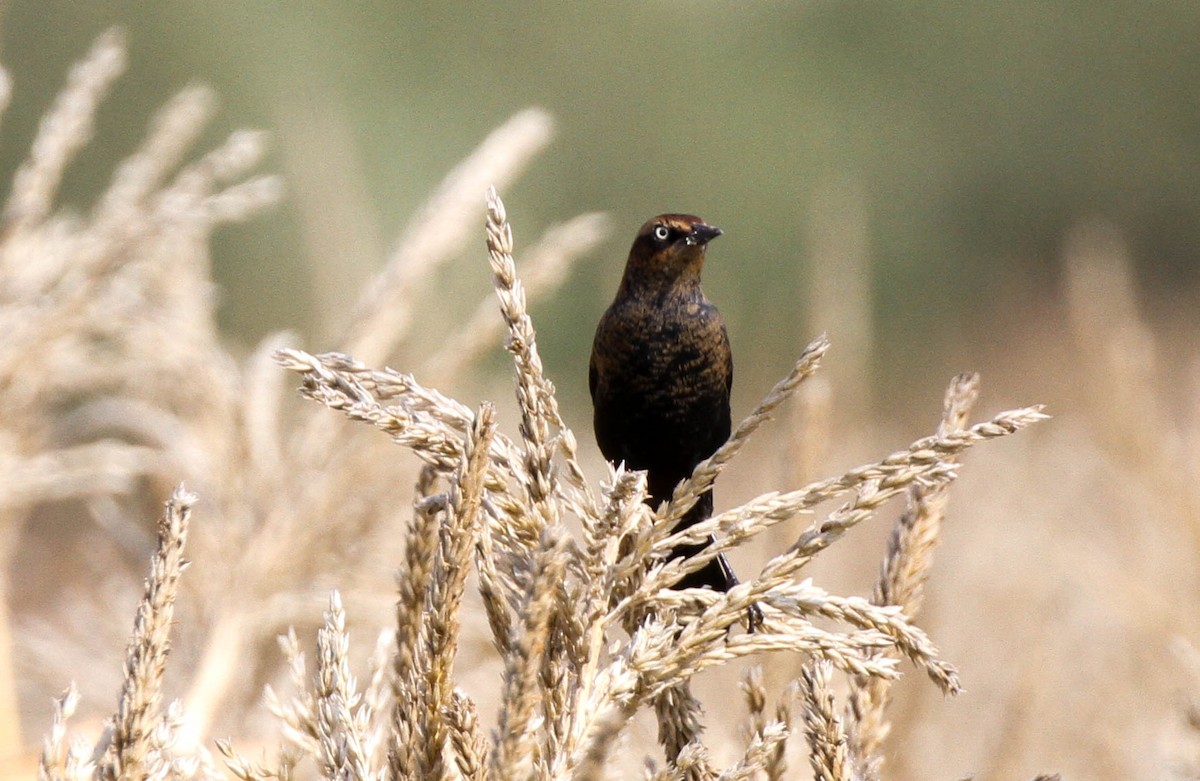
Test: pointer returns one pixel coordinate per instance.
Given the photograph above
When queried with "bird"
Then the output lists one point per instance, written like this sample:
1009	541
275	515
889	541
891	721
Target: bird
660	376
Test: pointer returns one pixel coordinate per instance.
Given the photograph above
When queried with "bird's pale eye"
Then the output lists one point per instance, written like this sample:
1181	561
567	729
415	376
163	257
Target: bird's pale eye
662	233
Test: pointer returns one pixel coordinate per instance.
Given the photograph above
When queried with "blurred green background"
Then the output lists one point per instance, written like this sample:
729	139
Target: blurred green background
971	136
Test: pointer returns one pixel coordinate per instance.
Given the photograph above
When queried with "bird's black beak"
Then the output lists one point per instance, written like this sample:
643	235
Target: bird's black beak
702	234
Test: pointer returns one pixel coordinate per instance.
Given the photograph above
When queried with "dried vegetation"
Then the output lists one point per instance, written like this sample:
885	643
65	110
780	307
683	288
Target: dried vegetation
115	386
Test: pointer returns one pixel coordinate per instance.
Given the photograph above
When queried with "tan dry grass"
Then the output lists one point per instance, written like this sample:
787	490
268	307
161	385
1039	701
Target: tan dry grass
115	383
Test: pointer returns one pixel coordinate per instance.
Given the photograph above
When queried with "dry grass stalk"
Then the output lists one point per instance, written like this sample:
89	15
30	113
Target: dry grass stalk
1124	366
146	658
298	715
55	758
467	742
922	463
547	267
760	752
106	315
341	726
679	729
65	130
689	491
902	579
439	230
822	727
140	741
518	751
910	550
112	370
535	394
437	624
767	749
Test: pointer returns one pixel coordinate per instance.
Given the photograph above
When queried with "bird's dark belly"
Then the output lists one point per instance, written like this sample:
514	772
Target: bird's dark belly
669	411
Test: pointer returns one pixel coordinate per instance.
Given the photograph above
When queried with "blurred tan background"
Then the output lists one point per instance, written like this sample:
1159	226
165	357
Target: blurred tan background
1003	187
969	138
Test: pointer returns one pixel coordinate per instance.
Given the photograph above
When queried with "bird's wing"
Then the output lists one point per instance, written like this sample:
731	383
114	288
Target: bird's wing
593	377
728	361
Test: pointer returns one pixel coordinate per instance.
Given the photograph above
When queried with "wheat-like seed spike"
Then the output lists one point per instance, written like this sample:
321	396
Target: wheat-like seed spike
433	425
901	582
422	421
239	202
298	714
532	388
467	742
924	461
359	384
692	763
546	267
539	413
441	228
765	751
557	679
516	742
764	745
658	656
240	152
776	766
174	129
725	609
414	581
535	394
822	728
895	468
64	130
343	754
910	550
756	698
678	713
805	600
455	546
770	509
624	503
662	655
146	656
490	585
705	473
50	765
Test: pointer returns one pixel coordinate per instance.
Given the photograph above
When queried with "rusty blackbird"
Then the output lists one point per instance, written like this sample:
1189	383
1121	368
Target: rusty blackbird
661	372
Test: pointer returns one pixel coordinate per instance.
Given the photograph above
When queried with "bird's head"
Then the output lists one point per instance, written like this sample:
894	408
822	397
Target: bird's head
669	248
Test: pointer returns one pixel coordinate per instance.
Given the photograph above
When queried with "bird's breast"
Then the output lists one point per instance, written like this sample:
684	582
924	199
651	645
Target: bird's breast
663	355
